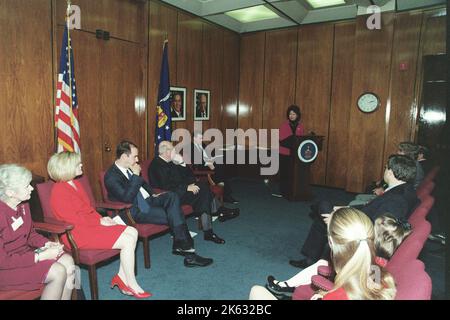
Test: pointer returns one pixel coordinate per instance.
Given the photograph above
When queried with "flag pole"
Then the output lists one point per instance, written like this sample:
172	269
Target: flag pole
69	54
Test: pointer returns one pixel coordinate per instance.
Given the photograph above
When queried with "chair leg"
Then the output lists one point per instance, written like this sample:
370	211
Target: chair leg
74	295
93	282
146	244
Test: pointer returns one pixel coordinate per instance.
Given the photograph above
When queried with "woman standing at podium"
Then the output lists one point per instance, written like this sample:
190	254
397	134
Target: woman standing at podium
288	130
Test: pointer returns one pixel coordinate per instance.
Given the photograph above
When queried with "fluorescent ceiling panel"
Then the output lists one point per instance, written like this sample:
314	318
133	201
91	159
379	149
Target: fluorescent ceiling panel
325	3
252	14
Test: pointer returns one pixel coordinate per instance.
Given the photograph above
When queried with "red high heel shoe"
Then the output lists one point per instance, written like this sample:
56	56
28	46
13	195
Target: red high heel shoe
142	295
123	288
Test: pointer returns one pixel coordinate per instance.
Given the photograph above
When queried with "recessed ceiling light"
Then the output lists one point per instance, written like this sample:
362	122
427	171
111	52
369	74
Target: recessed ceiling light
324	3
252	14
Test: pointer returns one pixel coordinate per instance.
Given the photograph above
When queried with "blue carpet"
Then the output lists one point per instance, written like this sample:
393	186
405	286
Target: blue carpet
268	233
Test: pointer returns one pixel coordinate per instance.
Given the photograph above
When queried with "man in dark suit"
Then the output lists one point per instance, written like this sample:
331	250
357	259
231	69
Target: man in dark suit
206	162
124	183
165	174
423	158
399	199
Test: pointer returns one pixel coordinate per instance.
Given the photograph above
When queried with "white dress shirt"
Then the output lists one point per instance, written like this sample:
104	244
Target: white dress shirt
141	189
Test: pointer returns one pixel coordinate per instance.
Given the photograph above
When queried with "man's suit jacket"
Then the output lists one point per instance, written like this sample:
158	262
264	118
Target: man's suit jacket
199	115
169	176
399	201
122	189
419	175
174	114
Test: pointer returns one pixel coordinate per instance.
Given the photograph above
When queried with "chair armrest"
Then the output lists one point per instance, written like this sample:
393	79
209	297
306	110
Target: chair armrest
113	205
56	222
322	283
325	271
51	228
203	173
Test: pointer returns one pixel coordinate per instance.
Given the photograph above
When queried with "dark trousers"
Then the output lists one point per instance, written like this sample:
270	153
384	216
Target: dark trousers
220	176
200	202
166	210
316	243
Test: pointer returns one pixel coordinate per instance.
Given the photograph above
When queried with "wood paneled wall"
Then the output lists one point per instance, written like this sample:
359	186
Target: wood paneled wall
253	78
26	86
314	66
334	64
371	69
251	81
341	95
113	77
201	56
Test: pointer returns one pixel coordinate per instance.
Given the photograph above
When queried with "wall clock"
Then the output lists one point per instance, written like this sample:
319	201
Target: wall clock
368	102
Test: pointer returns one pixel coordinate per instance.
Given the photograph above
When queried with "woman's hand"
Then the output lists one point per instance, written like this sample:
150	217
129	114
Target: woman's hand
107	222
51	253
317	297
51	244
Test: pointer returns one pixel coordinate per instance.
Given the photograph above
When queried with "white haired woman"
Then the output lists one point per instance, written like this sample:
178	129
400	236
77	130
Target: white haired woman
28	260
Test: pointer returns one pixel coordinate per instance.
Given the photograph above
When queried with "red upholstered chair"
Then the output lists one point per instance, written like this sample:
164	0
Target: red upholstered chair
425	189
88	258
412	282
55	230
205	175
145	231
432	174
411	247
304	292
421	212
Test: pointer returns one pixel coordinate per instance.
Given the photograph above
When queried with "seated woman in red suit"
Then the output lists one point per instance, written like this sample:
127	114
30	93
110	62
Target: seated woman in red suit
385	237
28	261
91	231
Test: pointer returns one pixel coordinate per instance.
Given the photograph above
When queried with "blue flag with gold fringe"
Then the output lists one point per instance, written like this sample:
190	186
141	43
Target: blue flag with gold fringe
163	118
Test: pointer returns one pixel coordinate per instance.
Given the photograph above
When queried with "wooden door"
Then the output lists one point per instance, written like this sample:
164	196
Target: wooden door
123	97
433	109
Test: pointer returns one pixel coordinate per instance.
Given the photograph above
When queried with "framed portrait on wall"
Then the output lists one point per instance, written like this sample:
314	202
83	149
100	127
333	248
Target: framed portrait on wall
178	103
201	104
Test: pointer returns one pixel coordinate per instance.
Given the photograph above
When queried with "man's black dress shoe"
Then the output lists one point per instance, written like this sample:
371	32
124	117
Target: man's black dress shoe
304	263
230	199
194	260
227	216
213	237
278	290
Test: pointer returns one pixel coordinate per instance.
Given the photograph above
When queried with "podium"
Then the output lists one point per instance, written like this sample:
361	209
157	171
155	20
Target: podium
299	188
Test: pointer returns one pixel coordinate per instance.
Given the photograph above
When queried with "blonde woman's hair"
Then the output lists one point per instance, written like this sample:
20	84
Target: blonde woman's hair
351	236
389	234
62	166
12	177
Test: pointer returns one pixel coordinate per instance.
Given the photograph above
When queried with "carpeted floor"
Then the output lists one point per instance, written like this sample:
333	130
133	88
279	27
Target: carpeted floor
261	241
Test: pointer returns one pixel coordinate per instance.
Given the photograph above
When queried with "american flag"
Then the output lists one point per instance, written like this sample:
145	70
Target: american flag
66	113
